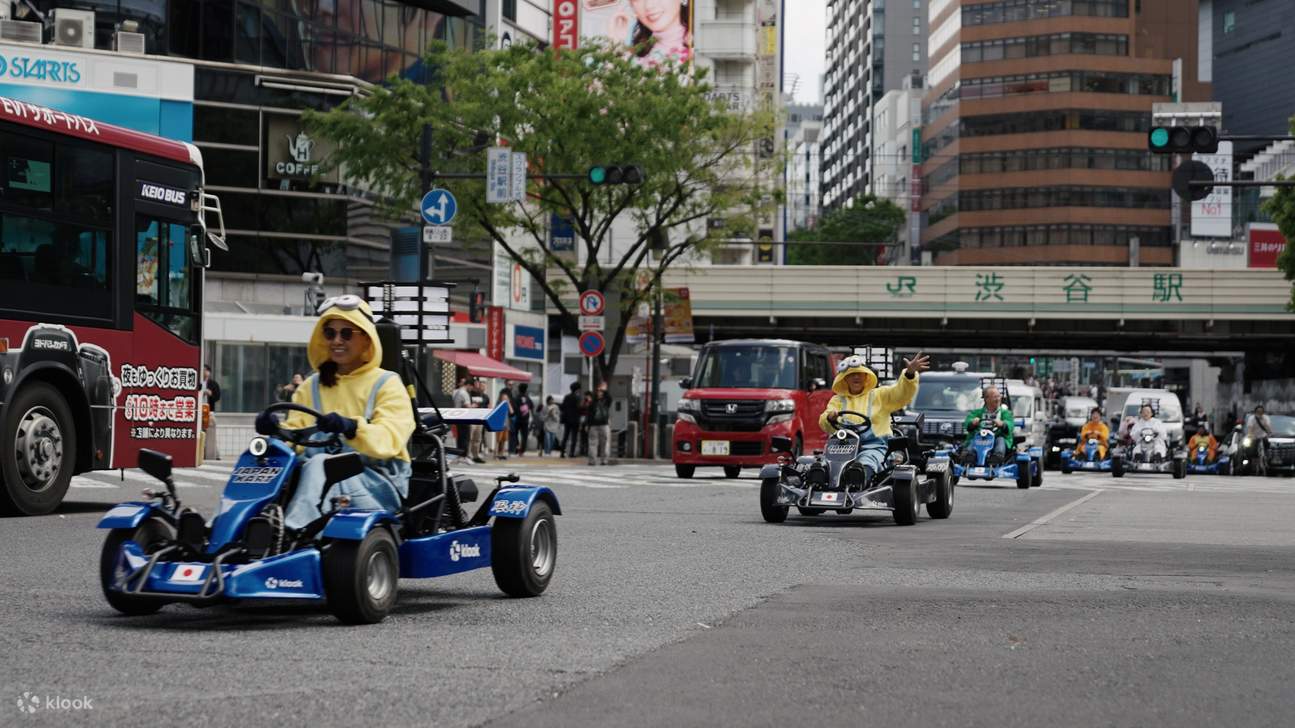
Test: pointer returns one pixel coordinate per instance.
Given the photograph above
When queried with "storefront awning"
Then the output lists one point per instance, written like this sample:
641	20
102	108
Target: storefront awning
483	366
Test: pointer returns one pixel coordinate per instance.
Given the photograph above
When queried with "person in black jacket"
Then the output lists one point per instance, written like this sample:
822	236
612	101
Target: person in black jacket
523	408
571	421
600	429
210	395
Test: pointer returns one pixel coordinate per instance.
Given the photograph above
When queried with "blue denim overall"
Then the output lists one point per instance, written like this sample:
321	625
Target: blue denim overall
381	486
872	449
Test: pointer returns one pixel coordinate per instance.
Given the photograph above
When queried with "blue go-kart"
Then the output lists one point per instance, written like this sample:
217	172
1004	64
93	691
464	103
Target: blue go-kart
973	463
1090	459
160	552
1198	462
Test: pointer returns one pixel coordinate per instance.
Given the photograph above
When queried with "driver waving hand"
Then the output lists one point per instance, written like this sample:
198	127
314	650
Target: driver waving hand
365	405
856	390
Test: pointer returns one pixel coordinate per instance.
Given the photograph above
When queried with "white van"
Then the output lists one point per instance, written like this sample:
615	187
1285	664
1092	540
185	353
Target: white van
1170	410
1027	403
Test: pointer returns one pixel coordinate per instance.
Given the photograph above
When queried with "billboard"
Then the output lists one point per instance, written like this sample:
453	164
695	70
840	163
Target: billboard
676	314
1266	243
656	31
1212	216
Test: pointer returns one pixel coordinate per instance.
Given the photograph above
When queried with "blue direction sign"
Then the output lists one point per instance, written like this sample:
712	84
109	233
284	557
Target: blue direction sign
439	207
592	343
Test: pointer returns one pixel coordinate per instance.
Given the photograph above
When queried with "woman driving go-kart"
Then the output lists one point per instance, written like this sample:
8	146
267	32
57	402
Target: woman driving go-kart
365	405
856	390
1152	431
1093	429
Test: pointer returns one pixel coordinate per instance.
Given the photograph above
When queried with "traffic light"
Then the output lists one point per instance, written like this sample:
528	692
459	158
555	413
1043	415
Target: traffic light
1183	139
616	174
476	306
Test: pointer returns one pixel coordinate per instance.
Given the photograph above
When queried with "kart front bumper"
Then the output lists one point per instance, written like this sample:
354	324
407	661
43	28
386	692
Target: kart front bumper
1087	466
294	575
877	499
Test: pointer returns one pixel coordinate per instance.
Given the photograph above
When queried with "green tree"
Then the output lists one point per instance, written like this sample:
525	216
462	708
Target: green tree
1281	207
568	111
869	220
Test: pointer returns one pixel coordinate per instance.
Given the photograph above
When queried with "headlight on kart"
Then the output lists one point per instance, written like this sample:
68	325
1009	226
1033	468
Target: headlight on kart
780	419
780	405
1247	442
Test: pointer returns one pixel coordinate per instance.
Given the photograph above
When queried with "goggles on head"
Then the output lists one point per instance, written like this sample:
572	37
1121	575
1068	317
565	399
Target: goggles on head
349	302
850	362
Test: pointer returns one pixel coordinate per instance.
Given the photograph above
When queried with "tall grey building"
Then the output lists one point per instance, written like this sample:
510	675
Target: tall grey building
872	46
1252	40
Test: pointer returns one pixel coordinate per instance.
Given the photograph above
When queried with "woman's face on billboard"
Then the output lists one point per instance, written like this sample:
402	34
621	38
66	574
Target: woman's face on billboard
657	15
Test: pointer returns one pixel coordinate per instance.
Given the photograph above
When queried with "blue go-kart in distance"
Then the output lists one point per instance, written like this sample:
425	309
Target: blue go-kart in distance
1199	463
975	462
1090	459
159	552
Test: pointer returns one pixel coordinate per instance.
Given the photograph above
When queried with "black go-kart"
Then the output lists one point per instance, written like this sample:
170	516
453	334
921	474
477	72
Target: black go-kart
835	481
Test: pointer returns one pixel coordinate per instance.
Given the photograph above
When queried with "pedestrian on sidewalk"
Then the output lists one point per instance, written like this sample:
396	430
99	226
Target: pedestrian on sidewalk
523	406
462	399
552	424
571	421
211	395
479	401
501	437
600	429
585	403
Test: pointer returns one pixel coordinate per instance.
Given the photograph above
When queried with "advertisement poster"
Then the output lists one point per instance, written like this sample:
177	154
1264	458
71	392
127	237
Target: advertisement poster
657	31
1266	243
676	310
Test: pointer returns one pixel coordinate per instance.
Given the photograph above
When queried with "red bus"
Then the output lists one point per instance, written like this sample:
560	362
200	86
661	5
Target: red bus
103	244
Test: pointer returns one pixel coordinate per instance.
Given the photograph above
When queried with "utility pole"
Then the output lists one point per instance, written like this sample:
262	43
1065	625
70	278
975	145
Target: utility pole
654	405
425	184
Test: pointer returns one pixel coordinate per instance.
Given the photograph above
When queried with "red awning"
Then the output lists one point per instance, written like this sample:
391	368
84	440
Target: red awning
483	366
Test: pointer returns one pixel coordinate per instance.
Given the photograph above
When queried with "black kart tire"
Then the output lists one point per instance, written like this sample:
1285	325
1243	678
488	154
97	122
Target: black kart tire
1065	469
1038	477
942	506
732	471
811	511
524	551
906	504
769	508
361	577
36	421
1180	469
685	471
1023	477
1117	467
151	531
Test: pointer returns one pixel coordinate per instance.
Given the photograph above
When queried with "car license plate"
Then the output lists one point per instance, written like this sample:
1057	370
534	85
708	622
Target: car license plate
1090	465
831	499
1146	466
980	471
714	447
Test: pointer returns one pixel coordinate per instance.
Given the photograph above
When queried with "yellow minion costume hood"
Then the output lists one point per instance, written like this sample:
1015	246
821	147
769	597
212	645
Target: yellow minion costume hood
849	367
355	311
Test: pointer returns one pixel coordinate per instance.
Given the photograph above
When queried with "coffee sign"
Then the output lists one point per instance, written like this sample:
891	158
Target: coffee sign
293	153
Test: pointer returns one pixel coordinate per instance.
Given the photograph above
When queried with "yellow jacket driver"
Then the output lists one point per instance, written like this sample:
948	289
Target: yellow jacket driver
855	389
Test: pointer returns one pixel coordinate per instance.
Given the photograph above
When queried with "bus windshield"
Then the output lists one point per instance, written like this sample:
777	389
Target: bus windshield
752	366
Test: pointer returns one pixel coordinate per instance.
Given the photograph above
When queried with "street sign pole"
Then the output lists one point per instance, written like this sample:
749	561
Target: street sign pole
425	179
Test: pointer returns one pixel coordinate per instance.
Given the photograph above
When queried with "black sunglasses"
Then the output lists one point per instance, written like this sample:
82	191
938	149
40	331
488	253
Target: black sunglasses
346	333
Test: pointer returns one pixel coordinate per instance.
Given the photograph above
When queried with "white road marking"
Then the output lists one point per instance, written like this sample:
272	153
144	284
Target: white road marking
1048	517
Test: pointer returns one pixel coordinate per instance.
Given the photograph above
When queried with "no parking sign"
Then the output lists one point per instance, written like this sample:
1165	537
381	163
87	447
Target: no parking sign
592	343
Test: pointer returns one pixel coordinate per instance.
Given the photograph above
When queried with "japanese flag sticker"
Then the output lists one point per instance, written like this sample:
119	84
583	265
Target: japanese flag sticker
189	573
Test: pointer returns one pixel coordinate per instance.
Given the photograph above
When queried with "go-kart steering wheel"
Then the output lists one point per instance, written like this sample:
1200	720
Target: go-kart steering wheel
863	426
305	436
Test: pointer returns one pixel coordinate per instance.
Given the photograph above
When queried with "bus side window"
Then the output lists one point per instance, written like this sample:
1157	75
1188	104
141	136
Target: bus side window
147	262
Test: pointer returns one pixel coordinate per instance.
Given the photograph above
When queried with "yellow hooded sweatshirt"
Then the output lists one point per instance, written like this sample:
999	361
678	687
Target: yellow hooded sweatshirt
885	400
385	436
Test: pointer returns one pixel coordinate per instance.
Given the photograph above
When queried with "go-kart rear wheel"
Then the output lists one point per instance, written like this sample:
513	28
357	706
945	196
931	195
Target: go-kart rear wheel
152	532
360	577
524	551
811	511
1023	477
1065	467
685	471
732	471
1180	469
942	506
769	508
906	504
1117	467
1038	477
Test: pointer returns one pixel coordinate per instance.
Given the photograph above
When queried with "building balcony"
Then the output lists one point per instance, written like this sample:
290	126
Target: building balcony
729	39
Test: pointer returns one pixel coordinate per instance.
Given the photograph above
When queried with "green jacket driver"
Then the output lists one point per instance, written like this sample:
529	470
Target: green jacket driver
996	416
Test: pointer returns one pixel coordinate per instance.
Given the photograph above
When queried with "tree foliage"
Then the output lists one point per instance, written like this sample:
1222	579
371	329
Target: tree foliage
568	111
869	220
1281	207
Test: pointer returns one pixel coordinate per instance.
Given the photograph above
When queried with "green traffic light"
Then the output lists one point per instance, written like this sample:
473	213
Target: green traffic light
598	175
1159	136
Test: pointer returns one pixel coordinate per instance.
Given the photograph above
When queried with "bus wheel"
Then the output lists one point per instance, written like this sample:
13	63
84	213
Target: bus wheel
38	448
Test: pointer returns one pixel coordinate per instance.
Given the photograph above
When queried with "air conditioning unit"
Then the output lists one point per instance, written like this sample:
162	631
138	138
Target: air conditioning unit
21	31
74	28
124	42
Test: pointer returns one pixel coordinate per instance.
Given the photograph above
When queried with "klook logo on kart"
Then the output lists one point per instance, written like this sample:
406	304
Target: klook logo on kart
463	550
275	583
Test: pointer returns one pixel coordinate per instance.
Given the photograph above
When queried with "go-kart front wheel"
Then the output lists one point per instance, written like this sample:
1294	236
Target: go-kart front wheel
942	506
904	491
360	577
524	551
149	534
769	508
1038	476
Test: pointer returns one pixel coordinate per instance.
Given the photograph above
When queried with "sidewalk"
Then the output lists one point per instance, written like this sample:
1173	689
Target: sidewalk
552	461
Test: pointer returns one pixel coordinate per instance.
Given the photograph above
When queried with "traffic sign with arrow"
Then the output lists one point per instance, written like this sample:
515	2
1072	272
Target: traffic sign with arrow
439	207
592	303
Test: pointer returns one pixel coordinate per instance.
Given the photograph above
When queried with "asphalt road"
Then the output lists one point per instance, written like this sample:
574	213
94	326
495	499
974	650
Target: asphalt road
1090	601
